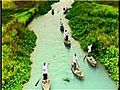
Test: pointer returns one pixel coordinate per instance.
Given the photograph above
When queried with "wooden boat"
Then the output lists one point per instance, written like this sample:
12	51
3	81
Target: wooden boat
77	72
67	43
46	84
91	60
62	28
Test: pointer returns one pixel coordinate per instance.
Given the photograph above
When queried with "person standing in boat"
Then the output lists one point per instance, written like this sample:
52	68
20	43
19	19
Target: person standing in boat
61	25
74	61
66	35
52	11
65	10
61	22
89	51
45	71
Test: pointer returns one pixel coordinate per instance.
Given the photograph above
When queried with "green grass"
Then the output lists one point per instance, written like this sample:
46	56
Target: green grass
16	48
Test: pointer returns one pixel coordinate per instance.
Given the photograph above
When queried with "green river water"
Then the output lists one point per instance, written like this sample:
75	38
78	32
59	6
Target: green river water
50	48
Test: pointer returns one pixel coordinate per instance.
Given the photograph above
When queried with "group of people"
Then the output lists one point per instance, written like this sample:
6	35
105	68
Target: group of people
74	59
65	9
89	51
66	33
74	63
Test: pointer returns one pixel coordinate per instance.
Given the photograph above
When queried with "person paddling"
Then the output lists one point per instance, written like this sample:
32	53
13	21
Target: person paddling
66	35
61	25
74	61
45	71
61	22
89	52
52	11
89	49
65	10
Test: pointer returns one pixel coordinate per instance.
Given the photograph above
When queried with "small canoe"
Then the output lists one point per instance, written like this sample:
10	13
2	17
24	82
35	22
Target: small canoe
67	43
77	72
62	28
46	84
91	60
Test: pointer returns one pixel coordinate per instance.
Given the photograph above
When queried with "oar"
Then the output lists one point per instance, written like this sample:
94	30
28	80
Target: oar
37	82
78	65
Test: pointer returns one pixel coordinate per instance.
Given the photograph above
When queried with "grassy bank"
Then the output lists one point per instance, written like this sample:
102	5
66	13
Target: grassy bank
18	42
97	24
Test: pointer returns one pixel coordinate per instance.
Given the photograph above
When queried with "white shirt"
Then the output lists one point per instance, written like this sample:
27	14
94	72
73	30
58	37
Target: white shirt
65	34
45	69
74	59
89	48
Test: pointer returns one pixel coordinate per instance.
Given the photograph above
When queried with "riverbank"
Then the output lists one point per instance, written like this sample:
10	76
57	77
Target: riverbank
97	24
18	41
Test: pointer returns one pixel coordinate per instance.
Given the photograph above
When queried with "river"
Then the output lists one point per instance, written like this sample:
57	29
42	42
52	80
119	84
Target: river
50	48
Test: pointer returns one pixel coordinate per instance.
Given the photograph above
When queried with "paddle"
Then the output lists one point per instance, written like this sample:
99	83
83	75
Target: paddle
78	65
37	82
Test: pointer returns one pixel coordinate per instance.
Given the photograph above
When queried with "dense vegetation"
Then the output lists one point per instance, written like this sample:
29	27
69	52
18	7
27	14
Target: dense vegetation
97	24
114	3
18	42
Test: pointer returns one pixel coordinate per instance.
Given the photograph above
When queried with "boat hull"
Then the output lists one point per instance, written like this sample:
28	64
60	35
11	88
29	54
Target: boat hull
61	28
78	73
91	61
67	43
46	84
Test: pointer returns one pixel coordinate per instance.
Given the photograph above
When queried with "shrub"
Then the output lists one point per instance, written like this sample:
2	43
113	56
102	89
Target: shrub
97	24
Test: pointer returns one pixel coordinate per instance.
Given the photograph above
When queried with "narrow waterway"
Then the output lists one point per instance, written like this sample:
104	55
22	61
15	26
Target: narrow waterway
50	48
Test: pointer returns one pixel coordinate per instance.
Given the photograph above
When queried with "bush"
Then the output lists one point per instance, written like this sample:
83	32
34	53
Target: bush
97	24
16	58
17	44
